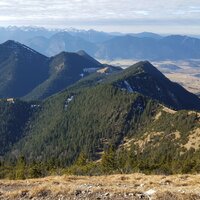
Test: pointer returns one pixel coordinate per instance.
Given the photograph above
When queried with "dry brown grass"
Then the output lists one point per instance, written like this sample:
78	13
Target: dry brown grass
188	81
193	140
175	187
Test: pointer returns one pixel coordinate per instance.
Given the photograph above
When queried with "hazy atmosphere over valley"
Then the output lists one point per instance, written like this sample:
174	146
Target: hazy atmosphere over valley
99	99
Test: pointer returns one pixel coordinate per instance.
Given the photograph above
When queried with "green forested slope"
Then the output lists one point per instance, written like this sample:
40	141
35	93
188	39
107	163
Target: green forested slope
101	117
13	120
64	70
144	78
21	69
95	117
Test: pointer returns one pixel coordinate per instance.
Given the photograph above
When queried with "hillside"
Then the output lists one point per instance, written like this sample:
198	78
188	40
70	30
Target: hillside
98	118
25	72
63	41
28	74
122	116
21	69
144	78
172	47
107	115
14	118
64	70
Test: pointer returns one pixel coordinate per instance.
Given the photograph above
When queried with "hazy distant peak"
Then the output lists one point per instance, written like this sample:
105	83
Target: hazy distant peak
82	52
61	34
148	35
12	44
88	57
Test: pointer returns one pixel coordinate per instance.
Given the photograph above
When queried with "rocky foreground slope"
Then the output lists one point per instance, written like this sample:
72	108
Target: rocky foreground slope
133	186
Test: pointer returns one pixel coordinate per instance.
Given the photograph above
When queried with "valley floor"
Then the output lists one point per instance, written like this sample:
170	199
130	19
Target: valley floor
133	186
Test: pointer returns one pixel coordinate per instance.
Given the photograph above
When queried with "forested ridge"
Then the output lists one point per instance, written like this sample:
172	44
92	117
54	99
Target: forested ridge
99	126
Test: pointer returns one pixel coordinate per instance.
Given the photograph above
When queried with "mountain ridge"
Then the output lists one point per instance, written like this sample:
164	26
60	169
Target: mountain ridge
65	69
170	47
144	78
19	66
105	110
100	44
23	70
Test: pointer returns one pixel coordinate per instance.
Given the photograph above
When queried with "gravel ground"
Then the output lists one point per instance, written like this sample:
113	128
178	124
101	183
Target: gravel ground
114	187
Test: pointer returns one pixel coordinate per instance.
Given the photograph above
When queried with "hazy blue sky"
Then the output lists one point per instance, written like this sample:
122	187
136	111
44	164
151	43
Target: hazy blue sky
162	16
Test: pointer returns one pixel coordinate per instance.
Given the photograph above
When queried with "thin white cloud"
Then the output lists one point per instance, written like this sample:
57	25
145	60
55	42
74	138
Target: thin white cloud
98	8
61	12
142	12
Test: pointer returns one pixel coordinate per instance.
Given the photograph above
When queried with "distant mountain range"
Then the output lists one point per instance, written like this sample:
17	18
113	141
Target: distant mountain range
144	46
170	47
33	76
103	45
146	35
62	42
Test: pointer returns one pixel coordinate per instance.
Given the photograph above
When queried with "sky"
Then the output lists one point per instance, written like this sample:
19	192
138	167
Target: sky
161	16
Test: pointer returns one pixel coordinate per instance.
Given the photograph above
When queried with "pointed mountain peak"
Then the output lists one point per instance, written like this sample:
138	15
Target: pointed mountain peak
88	57
64	54
148	68
143	64
82	53
146	79
11	43
143	67
14	45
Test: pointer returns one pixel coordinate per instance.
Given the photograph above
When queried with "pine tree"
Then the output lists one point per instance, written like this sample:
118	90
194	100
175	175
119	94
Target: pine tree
34	170
108	161
123	161
20	168
82	160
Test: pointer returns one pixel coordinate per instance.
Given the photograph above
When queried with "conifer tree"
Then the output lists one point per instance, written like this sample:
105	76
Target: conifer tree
20	168
108	161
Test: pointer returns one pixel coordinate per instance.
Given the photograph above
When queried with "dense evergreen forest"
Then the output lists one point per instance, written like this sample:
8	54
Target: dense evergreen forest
101	125
104	138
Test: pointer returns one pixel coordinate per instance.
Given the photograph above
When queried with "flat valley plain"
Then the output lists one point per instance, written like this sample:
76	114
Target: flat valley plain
132	186
184	72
